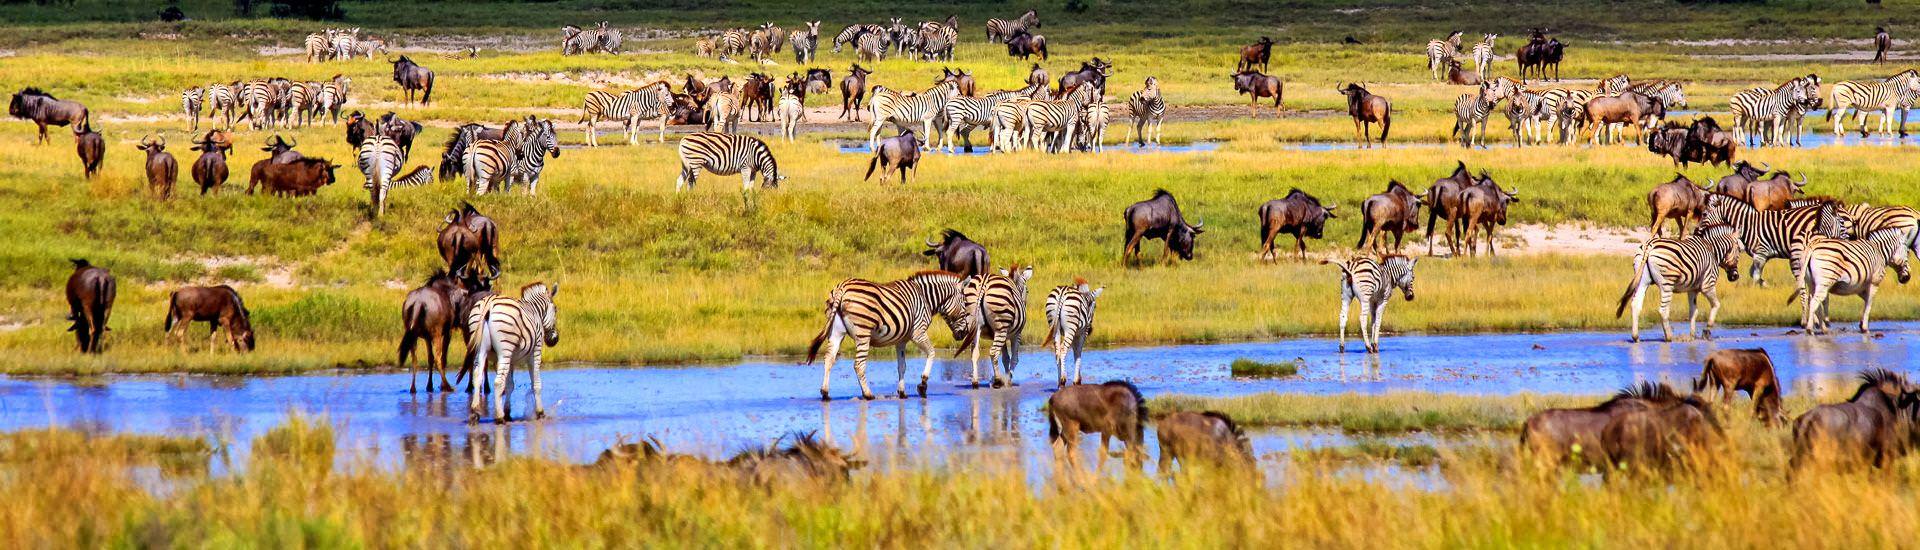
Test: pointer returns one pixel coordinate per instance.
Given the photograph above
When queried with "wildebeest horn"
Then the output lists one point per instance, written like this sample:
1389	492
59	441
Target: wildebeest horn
289	144
1803	176
1330	207
1764	167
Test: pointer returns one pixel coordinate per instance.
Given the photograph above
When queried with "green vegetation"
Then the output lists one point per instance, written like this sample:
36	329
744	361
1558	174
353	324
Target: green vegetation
1374	450
1249	368
1391	412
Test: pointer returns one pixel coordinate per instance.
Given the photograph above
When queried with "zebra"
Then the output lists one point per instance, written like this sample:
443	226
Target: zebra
1474	109
219	98
1866	219
190	101
574	40
1070	324
998	304
343	44
331	97
530	160
963	114
1056	117
1439	52
1562	108
937	39
888	314
1149	111
1483	56
732	42
520	155
1009	122
726	154
299	101
514	331
852	34
256	102
1827	266
723	113
1615	84
1093	121
790	112
1525	111
1368	281
902	109
1683	265
806	42
1885	95
380	159
320	46
647	103
872	47
1761	113
1766	235
999	30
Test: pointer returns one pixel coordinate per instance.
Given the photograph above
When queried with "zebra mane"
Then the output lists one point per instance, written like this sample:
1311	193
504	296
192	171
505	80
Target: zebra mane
933	273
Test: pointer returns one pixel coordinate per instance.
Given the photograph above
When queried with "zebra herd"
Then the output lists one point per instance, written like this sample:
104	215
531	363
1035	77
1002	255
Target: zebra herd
341	45
1559	115
600	39
926	41
267	103
517	154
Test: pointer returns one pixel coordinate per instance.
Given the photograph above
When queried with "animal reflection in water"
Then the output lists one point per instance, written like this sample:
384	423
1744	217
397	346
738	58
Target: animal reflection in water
436	452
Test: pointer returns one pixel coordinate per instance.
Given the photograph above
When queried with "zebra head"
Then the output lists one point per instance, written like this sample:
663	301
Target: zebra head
538	297
1399	271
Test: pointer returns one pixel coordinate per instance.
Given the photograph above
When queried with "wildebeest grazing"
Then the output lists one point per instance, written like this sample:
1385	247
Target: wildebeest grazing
1676	200
1366	110
853	91
1257	53
210	170
162	169
45	110
901	152
469	236
1482	205
1256	85
808	460
413	78
958	254
91	147
1159	218
90	294
1298	214
1748	370
1202	438
218	306
1024	45
1673	432
431	314
1395	210
1553	437
1442	200
1115	409
1875	426
299	177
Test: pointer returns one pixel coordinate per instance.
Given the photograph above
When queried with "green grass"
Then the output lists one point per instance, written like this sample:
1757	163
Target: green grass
1391	412
1371	450
1249	368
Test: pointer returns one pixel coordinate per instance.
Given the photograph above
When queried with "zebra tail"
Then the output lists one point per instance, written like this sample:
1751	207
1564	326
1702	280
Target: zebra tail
1639	274
833	312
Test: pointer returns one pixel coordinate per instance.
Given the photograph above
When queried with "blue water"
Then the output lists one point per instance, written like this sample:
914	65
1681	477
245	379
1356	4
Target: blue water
982	148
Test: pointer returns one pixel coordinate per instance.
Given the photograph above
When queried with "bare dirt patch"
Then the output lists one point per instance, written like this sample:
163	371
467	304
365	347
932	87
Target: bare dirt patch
1571	238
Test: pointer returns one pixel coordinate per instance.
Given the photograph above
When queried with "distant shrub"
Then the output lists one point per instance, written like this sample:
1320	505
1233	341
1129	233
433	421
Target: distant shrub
307	9
1244	367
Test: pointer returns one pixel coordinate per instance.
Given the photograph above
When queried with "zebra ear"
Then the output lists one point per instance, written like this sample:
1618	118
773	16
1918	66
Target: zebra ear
554	290
1096	292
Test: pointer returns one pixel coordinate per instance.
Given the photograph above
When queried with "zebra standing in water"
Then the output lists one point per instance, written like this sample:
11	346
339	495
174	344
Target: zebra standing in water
999	30
651	102
903	110
806	42
1441	51
1009	123
1828	266
727	154
1763	114
1863	96
190	101
514	331
1769	234
1368	282
380	159
1056	117
1149	110
1683	265
964	114
1070	324
889	314
1483	56
998	303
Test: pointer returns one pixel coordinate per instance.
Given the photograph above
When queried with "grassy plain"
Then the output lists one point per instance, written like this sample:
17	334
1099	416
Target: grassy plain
650	276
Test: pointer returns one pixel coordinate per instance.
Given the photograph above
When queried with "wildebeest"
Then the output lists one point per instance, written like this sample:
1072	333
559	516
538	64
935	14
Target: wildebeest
91	147
901	152
1255	54
756	97
1459	76
1159	218
218	306
958	254
1882	42
1037	76
962	80
467	236
1675	142
279	151
1607	116
401	130
162	170
853	91
210	170
1024	45
1298	214
1366	109
1714	145
1773	193
300	177
807	460
431	314
1875	426
1556	436
1442	199
90	294
45	110
413	78
1482	206
817	81
1209	438
1255	85
1395	210
1748	370
1550	57
1675	200
1676	431
1736	184
1093	72
1115	409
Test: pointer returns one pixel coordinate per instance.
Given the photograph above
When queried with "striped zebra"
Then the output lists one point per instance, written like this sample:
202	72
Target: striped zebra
1009	123
320	46
999	30
964	114
790	112
903	110
1093	122
1864	96
1683	265
1563	108
732	42
1525	114
1864	219
723	113
221	99
888	314
1828	266
256	103
652	102
1439	52
520	155
575	41
1615	84
1762	114
852	34
530	161
1483	56
1070	324
872	47
727	154
380	160
937	39
1368	281
1472	110
513	331
343	44
299	102
998	304
806	42
190	101
1056	117
331	97
1149	111
1769	234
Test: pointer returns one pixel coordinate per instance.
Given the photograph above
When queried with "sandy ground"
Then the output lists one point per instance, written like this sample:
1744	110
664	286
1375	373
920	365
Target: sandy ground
1571	238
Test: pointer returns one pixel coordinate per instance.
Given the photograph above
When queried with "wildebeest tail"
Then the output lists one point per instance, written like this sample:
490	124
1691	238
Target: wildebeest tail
1639	274
833	312
427	97
173	309
871	164
1053	425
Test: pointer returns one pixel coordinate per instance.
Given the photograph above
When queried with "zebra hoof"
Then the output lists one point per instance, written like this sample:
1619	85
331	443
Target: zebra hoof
824	396
866	396
900	394
923	389
539	415
999	383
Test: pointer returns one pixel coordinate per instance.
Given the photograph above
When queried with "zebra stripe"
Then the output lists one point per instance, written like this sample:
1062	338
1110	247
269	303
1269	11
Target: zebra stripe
852	34
380	159
1070	325
343	44
1439	52
1059	117
723	113
805	43
998	304
1615	84
331	97
1009	122
1683	265
648	103
1769	234
530	158
299	102
937	41
1149	109
514	331
732	42
1368	281
1863	97
888	314
219	98
1483	56
1472	110
320	46
1828	266
255	102
190	101
726	154
789	113
903	110
1093	122
1761	113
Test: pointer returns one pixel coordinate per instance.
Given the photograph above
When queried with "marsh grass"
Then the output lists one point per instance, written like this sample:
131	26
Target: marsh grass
1391	412
1249	368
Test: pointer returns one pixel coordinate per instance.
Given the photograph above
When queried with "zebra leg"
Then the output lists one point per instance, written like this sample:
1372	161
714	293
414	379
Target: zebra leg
996	362
926	346
1345	302
1379	312
1866	309
900	359
1638	297
1079	347
1693	313
834	334
687	177
1060	355
1666	307
1713	312
484	341
861	348
1366	323
975	375
502	373
533	371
